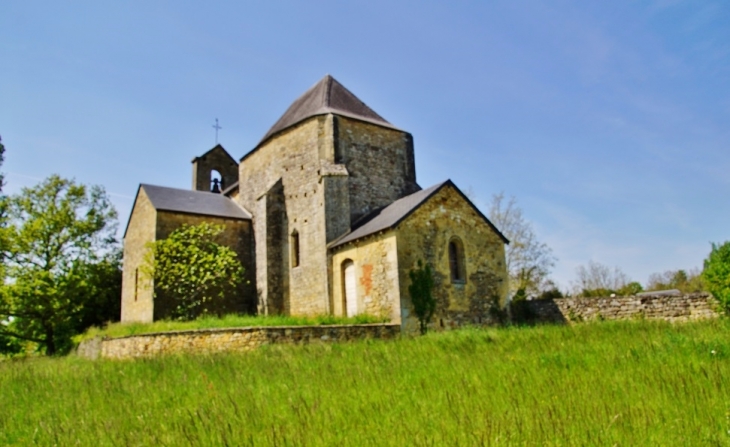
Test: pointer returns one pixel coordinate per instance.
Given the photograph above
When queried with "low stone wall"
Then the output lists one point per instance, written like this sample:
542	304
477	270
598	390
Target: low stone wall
205	341
671	308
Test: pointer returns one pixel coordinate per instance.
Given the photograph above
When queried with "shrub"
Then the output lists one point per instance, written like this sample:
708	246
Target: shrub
717	274
421	291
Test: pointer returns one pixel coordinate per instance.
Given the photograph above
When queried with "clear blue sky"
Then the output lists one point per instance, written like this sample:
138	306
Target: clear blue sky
608	121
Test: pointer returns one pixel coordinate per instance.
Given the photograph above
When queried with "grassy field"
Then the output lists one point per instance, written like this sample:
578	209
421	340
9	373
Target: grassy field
610	383
229	321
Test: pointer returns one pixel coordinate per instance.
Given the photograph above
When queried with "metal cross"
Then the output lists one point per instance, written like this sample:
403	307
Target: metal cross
216	127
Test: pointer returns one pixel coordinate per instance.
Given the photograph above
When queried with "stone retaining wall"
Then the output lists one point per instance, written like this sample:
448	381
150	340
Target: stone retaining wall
671	308
206	341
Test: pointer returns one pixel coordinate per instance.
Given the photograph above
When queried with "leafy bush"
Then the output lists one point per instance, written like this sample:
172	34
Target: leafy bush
421	291
717	274
193	273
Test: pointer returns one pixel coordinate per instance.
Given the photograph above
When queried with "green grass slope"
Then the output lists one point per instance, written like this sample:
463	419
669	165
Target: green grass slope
613	383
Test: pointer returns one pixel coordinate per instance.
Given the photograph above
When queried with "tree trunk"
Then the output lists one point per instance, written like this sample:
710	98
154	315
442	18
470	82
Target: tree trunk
50	343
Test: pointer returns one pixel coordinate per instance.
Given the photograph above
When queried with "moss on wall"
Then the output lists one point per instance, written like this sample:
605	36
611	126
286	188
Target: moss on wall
426	234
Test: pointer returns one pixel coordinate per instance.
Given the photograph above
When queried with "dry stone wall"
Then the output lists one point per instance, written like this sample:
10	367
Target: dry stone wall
670	308
208	341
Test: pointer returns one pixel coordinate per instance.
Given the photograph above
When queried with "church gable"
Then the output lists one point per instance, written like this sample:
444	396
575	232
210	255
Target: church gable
438	226
157	212
465	252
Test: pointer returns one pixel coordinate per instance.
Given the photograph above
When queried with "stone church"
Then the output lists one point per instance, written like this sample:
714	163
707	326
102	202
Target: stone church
326	217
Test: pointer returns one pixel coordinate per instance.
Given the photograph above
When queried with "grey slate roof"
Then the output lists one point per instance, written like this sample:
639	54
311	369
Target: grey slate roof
326	96
230	189
390	216
193	202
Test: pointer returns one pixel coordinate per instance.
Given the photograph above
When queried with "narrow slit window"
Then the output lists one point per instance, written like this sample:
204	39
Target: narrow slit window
295	249
456	261
136	283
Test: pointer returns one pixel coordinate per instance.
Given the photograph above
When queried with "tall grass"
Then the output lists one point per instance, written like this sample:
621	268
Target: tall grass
228	321
611	383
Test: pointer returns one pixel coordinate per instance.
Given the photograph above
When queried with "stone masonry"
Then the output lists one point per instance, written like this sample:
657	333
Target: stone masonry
426	234
383	262
376	168
210	341
670	308
149	223
331	182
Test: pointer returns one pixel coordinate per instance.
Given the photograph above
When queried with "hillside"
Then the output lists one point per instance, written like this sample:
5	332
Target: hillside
625	383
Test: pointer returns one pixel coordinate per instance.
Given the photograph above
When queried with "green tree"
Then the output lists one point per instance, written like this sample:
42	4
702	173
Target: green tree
8	345
631	288
193	273
2	158
716	274
102	302
56	236
421	292
686	282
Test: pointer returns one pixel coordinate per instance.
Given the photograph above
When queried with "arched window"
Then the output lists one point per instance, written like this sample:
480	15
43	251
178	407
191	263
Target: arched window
456	261
216	181
295	249
349	289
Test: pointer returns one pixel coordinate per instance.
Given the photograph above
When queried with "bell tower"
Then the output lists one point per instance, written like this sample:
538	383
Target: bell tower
214	171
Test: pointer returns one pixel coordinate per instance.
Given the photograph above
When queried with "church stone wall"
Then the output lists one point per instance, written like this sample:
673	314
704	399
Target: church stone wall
292	158
376	267
425	235
336	200
136	288
380	163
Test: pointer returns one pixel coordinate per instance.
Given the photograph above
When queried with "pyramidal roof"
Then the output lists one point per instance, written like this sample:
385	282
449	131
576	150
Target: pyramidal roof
326	96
